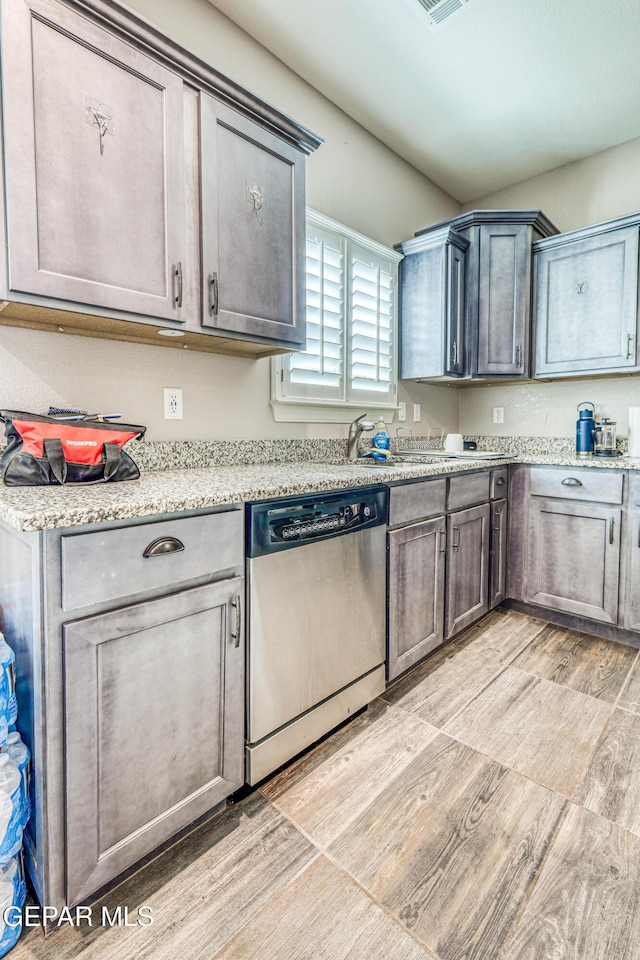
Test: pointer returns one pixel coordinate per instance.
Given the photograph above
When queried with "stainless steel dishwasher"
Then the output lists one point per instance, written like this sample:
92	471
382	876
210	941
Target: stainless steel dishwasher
316	583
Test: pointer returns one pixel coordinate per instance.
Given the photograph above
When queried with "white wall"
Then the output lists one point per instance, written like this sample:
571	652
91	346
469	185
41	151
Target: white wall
598	188
352	178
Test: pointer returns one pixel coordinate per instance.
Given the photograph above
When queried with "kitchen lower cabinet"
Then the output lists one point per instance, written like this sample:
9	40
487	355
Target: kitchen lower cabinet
416	556
498	553
632	607
154	734
467	567
586	300
445	564
253	228
130	659
573	557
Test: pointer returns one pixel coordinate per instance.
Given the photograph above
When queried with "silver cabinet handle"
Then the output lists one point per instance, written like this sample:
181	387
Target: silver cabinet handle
235	633
611	526
162	546
571	482
456	536
500	481
213	293
179	284
443	540
455	353
498	523
629	342
518	356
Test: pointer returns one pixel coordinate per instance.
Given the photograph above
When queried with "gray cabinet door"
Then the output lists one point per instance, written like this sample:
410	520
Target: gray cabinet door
432	306
586	294
573	558
498	556
154	726
468	567
454	361
415	593
94	164
632	605
504	285
253	228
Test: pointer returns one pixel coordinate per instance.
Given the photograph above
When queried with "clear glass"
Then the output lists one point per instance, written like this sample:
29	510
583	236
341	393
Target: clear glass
605	436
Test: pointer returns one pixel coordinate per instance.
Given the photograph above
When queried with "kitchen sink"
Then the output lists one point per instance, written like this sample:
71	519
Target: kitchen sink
389	464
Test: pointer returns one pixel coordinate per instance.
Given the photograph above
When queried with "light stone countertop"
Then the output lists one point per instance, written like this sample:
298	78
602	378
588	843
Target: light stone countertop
173	491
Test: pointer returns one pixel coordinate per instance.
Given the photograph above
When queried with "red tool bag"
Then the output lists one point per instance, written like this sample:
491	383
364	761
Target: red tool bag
42	451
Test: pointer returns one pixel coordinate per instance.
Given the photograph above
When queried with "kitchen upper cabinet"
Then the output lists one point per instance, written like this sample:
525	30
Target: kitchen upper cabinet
93	142
484	299
498	311
432	299
253	223
467	567
586	300
144	190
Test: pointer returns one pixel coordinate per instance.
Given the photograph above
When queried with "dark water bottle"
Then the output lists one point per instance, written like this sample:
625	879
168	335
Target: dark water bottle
585	426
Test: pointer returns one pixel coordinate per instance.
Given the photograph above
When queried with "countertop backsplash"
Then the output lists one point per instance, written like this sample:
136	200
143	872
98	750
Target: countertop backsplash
182	454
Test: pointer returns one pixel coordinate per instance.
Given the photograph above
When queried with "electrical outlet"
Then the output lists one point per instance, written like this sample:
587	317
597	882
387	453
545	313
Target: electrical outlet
172	403
498	414
402	411
417	413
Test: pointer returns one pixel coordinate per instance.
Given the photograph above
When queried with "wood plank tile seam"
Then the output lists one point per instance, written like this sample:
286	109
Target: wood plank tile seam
525	902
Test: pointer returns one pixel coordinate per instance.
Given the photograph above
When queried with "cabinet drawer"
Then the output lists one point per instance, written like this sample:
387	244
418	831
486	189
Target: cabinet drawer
415	501
467	490
634	488
111	564
576	484
499	483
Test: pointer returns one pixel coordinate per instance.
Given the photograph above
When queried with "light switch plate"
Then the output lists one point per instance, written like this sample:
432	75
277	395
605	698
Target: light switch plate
402	411
417	413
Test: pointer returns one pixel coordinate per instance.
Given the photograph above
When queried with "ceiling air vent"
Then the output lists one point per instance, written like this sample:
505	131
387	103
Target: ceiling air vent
440	10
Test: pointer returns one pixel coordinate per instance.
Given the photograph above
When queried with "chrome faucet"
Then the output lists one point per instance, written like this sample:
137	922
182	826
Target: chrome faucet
355	429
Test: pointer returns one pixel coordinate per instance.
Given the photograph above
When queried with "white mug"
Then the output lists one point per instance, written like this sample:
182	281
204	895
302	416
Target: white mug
453	443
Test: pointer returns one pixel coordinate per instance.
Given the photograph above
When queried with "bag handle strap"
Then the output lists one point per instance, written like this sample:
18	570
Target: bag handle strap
55	456
111	459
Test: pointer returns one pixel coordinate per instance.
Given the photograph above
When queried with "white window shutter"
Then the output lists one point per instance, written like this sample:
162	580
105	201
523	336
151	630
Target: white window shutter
350	322
372	341
318	371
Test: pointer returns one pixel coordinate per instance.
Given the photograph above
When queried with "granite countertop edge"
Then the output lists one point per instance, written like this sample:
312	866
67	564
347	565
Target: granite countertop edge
160	492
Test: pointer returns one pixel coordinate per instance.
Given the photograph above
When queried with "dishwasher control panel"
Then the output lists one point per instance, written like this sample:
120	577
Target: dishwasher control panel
277	525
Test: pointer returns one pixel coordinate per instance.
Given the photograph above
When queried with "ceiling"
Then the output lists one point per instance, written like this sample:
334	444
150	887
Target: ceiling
501	91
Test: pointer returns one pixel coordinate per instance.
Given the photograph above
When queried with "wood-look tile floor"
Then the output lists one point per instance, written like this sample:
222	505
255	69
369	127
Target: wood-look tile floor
487	807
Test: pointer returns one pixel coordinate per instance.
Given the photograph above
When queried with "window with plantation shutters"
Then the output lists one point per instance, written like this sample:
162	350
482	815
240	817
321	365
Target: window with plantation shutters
350	355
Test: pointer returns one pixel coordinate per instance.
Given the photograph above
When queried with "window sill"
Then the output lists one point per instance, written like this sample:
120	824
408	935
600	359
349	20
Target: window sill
286	411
